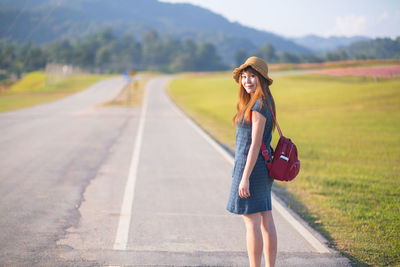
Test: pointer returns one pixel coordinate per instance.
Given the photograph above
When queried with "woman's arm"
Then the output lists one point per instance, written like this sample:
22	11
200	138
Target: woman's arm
258	124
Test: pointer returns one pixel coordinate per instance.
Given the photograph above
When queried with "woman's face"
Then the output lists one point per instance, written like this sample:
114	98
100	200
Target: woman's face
249	82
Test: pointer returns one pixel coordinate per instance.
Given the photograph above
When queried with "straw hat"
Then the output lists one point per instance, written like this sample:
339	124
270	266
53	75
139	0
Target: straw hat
256	63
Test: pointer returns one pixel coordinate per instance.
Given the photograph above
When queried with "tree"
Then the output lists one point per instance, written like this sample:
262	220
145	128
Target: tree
7	56
286	57
85	54
240	57
60	52
189	47
207	58
105	36
35	59
336	56
310	58
168	50
129	53
267	52
103	56
183	62
150	44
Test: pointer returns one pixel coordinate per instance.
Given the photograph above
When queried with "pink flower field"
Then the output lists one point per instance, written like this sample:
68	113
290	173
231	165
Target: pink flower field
374	71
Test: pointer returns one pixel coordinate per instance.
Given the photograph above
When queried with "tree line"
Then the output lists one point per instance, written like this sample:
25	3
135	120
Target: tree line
105	52
379	48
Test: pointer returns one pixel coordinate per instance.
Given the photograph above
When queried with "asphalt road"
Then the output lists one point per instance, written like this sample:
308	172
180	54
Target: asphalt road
64	199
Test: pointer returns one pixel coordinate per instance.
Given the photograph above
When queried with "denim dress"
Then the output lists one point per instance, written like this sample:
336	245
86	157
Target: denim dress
260	182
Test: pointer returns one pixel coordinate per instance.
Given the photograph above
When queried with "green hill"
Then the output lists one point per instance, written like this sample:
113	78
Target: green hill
42	21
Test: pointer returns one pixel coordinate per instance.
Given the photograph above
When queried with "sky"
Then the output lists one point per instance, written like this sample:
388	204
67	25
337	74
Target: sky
297	18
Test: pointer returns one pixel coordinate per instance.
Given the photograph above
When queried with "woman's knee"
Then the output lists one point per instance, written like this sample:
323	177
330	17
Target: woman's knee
267	220
252	221
266	216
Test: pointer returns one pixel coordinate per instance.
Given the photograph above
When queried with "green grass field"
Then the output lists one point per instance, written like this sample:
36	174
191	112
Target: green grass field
347	130
32	90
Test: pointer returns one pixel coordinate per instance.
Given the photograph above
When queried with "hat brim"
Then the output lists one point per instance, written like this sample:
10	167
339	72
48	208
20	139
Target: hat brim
237	71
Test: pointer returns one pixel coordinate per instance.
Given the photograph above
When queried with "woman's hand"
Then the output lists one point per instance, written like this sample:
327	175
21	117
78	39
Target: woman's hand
244	188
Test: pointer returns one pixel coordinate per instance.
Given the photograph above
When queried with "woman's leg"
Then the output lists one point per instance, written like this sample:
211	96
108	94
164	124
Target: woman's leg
254	238
269	237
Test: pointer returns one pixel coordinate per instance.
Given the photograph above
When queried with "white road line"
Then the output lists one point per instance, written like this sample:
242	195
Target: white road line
307	235
121	238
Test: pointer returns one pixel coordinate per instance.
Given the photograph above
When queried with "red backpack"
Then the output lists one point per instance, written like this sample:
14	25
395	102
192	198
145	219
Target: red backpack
285	164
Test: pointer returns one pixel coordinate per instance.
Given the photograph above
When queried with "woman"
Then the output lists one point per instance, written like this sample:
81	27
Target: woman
250	194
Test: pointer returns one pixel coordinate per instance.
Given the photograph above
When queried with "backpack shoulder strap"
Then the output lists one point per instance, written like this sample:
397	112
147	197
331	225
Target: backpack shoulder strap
264	150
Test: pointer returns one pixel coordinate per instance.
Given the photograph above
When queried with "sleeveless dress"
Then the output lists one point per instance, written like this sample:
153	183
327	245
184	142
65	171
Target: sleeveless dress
260	182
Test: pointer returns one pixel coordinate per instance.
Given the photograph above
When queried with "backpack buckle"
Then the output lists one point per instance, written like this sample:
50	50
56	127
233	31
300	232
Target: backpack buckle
284	158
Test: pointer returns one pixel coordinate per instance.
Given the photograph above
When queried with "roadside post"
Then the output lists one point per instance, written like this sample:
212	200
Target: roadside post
131	87
130	83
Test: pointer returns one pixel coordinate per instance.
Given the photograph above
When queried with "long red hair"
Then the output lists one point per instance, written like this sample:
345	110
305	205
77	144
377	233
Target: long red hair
246	101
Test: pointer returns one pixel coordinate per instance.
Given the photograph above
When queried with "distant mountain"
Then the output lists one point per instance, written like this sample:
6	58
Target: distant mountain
322	45
46	20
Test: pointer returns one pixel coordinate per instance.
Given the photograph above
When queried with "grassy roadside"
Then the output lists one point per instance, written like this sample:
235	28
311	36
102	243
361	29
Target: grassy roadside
32	90
132	93
335	64
347	132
